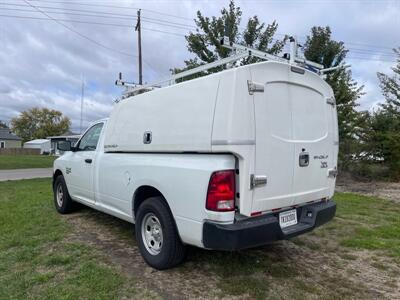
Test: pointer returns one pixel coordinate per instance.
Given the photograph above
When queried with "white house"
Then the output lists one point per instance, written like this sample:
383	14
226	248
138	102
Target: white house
68	136
42	144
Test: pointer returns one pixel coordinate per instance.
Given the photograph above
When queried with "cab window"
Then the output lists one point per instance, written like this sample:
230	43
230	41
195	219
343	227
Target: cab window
91	138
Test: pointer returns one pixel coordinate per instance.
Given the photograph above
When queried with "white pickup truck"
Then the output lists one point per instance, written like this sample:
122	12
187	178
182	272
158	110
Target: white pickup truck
228	161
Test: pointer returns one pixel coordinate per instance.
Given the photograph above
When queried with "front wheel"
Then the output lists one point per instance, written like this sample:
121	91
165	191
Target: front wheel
157	236
62	200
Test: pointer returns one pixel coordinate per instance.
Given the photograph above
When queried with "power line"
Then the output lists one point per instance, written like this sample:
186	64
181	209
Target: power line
159	21
162	31
371	59
92	23
96	14
69	20
175	34
355	50
88	4
186	18
147	19
65	13
78	33
115	6
84	36
304	38
392	55
69	9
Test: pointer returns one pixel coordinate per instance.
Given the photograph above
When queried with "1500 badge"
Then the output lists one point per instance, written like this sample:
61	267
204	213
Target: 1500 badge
67	170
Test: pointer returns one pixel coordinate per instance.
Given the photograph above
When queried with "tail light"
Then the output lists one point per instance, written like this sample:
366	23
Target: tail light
221	191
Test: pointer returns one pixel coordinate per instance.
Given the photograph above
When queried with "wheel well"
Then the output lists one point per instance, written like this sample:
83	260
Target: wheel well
142	193
56	174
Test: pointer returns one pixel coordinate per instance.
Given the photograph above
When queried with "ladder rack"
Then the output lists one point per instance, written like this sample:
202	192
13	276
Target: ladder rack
239	52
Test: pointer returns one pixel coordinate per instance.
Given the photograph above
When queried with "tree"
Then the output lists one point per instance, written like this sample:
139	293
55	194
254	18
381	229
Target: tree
39	123
390	86
384	136
319	47
205	41
3	124
384	140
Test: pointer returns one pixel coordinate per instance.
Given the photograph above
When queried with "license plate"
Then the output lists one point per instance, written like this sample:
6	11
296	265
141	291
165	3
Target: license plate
288	218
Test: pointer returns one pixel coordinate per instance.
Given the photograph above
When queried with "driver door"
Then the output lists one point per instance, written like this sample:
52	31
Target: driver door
81	169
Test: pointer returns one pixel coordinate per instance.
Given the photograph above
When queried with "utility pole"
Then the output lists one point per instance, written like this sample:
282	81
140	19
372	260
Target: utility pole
82	96
138	29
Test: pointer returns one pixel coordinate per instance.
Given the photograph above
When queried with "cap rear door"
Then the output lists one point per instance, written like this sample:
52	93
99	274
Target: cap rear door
295	129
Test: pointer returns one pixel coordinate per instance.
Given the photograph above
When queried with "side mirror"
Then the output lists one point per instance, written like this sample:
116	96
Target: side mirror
64	146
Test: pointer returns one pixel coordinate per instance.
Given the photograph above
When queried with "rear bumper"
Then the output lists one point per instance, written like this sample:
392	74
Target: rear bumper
262	230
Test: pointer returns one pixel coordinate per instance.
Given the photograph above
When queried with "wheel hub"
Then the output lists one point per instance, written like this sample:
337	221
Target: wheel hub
152	234
60	195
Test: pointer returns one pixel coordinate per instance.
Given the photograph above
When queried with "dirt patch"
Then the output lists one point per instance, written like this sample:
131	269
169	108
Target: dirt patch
114	238
381	189
368	271
309	266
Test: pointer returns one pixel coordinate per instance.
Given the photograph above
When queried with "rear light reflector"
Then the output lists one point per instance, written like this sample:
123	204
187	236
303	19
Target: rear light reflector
221	191
257	213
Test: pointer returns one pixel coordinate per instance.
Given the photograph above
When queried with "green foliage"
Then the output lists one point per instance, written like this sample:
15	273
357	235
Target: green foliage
320	48
390	86
39	123
383	137
366	169
205	41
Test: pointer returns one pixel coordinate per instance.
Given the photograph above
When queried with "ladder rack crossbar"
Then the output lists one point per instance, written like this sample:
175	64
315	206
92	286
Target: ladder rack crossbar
134	88
239	52
254	52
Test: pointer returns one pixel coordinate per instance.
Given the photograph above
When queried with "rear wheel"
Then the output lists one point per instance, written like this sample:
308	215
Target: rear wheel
62	200
157	236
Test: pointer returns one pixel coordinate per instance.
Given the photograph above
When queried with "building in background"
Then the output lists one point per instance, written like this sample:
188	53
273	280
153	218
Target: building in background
9	140
68	136
42	144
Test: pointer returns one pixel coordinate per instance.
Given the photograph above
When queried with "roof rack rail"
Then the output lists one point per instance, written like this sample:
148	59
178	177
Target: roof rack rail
239	52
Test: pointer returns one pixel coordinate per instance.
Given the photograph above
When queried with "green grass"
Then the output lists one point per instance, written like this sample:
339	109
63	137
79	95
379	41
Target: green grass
361	223
375	223
36	259
8	162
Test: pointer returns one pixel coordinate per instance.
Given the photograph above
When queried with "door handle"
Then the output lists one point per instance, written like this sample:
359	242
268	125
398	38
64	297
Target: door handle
257	180
88	160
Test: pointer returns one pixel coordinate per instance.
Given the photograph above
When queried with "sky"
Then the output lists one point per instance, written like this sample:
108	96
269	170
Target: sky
44	62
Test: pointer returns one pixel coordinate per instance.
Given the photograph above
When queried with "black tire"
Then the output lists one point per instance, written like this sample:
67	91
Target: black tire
172	251
67	205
